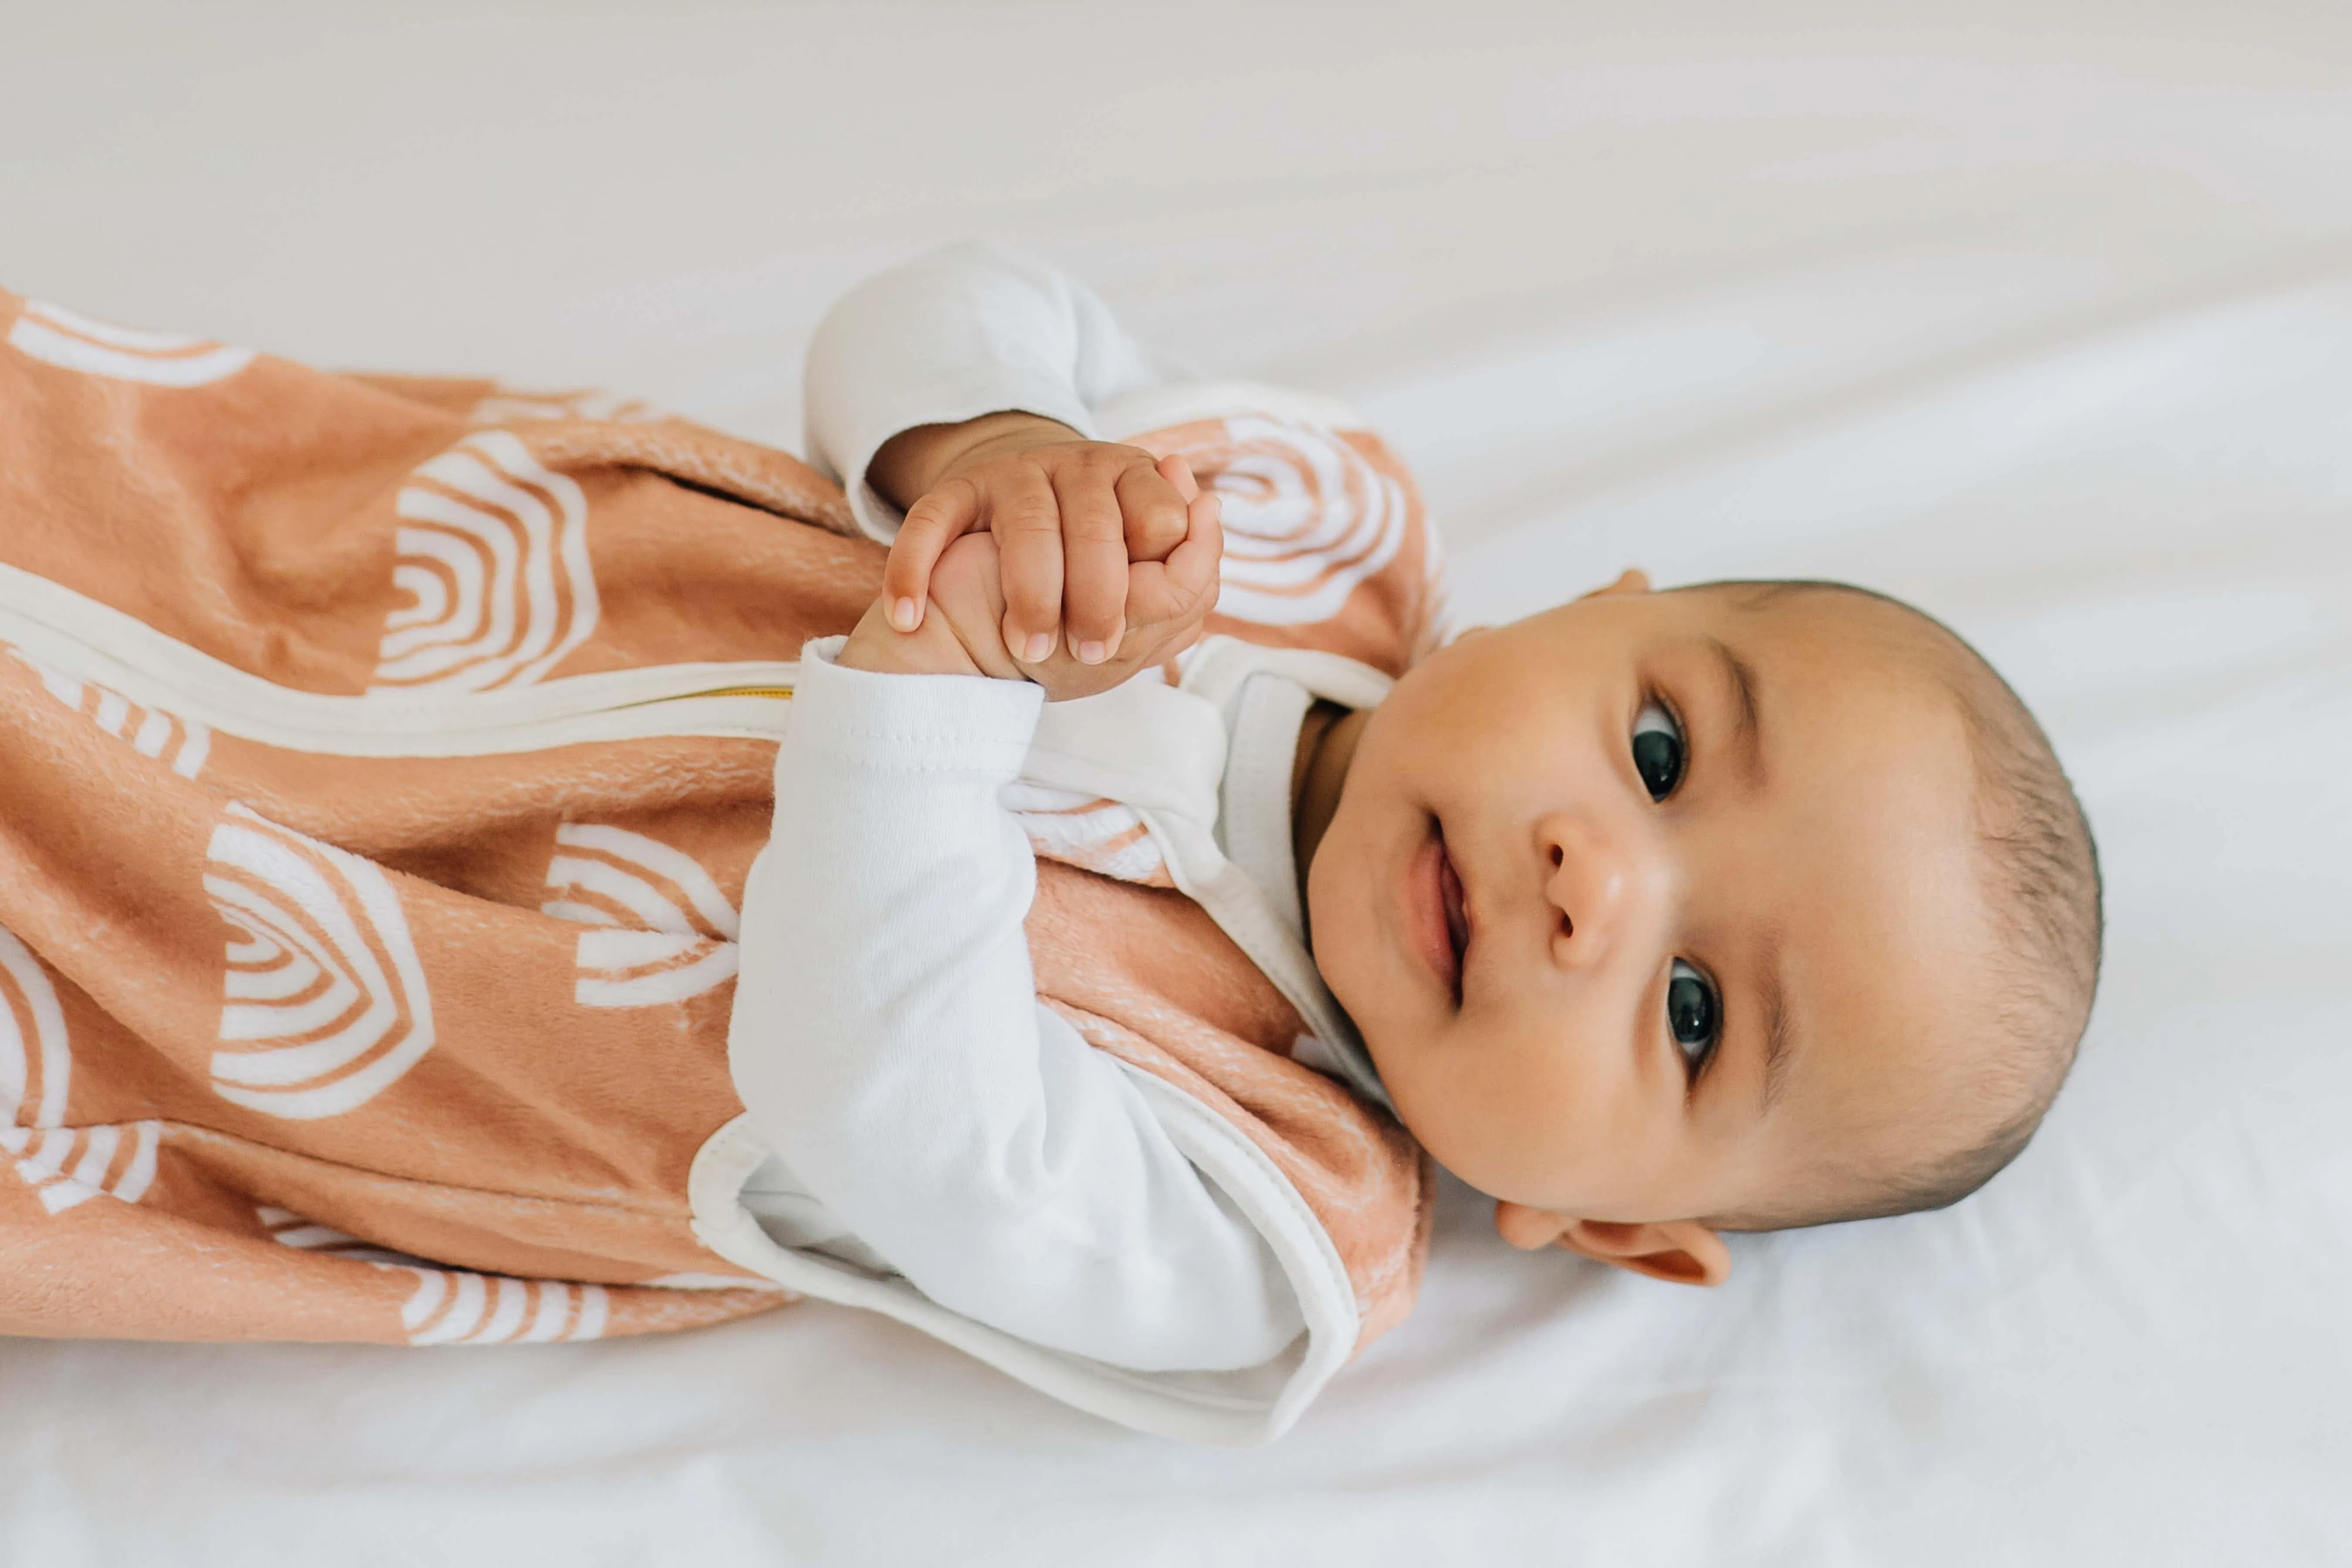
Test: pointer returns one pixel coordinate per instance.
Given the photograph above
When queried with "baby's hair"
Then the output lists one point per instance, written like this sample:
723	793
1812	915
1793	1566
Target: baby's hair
2042	869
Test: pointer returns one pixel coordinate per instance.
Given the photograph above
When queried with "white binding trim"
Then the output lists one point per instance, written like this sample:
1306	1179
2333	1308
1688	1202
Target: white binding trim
1252	1405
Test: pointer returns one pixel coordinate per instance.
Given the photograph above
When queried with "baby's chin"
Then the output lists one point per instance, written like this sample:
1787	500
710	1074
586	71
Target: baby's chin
1409	1095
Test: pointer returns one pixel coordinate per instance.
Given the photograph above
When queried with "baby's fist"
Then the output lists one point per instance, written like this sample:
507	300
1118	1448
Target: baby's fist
1069	518
1165	604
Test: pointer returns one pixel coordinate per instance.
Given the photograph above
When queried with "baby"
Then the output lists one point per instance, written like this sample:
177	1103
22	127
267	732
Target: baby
1740	906
436	905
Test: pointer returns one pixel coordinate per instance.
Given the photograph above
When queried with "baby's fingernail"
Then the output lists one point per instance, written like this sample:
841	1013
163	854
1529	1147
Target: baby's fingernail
902	613
1092	653
1039	645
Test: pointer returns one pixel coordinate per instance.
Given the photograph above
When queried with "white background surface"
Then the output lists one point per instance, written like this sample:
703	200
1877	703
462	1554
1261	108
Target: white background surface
2039	315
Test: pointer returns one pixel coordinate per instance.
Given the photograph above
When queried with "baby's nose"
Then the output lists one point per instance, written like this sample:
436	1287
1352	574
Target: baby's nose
1588	884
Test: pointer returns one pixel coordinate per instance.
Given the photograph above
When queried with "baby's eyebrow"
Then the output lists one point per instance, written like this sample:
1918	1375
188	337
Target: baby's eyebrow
1740	678
1772	1007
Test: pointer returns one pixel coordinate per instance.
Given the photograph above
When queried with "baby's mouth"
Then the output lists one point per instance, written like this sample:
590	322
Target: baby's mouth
1457	916
1439	914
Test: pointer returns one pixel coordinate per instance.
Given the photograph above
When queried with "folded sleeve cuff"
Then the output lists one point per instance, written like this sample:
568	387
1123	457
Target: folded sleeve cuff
924	722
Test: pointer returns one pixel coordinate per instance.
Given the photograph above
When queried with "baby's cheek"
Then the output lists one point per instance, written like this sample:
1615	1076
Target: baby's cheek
1542	1113
1464	739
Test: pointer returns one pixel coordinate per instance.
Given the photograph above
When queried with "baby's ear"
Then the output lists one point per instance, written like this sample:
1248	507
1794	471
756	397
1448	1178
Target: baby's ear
1633	580
1680	1250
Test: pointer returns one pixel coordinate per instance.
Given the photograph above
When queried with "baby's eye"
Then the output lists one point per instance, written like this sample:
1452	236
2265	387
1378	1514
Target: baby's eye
1657	750
1694	1016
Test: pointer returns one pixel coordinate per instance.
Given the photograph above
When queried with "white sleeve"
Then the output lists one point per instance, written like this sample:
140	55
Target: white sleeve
954	335
909	1076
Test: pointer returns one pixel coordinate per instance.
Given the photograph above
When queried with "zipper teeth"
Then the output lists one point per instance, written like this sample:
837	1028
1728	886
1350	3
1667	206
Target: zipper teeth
785	692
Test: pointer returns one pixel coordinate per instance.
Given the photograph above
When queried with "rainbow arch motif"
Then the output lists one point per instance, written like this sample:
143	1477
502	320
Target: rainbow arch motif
492	551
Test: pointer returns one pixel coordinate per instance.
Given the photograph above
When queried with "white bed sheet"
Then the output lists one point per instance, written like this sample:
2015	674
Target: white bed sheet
2043	321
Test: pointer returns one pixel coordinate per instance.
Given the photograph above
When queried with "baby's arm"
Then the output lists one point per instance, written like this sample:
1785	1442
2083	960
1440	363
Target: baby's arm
888	1042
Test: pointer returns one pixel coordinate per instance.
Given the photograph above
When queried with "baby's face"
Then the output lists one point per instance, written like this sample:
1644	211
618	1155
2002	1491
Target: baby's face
1656	907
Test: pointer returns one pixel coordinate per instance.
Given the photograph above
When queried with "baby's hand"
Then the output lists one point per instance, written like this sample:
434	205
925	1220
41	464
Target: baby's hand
1069	518
1038	556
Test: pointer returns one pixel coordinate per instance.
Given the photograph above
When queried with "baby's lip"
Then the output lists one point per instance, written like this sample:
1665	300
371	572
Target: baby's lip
1457	914
1440	924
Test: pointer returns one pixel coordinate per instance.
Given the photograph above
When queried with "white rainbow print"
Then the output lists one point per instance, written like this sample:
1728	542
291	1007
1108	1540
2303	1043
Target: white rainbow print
1087	831
492	551
508	406
324	1002
453	1306
181	744
36	1059
71	1165
287	1228
663	930
1307	518
55	335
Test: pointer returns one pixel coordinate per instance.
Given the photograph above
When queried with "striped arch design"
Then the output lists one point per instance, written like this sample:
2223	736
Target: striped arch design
181	744
324	1002
36	1059
1087	831
55	335
71	1165
664	931
508	406
287	1228
492	552
1307	518
451	1307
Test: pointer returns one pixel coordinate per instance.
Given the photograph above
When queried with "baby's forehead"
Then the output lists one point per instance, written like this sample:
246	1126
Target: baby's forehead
1828	616
1855	857
1890	1055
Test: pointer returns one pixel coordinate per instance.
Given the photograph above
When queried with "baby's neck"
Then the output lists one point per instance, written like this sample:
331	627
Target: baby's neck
1327	744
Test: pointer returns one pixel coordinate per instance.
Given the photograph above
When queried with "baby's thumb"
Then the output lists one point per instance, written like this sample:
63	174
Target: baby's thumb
932	523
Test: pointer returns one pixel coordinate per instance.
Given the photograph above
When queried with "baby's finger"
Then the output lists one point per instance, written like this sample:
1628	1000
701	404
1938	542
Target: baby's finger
934	521
1094	565
1027	521
1178	472
1153	512
1183	587
1193	566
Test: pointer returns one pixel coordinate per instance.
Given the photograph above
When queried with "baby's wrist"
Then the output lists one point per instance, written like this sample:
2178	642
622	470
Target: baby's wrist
936	648
914	462
932	648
